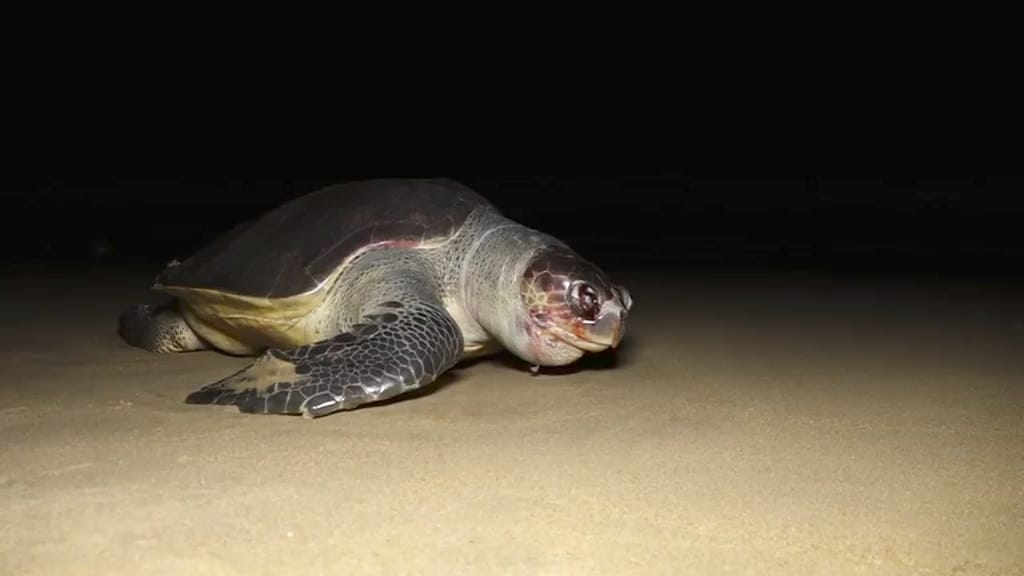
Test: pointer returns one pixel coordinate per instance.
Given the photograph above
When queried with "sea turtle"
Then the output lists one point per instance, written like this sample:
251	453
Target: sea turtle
362	291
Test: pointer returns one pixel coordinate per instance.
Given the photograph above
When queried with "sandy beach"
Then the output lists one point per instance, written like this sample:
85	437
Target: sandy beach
752	423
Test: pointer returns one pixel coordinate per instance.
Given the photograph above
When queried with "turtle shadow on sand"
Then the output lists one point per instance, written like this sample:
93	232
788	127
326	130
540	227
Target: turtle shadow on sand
607	360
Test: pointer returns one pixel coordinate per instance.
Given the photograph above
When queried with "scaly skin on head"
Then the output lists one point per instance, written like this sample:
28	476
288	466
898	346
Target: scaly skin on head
573	306
537	297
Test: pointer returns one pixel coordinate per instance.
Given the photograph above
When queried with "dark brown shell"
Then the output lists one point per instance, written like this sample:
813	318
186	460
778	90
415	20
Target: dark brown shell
294	248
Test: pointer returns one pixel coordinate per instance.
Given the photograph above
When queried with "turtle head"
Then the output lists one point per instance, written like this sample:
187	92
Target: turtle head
571	308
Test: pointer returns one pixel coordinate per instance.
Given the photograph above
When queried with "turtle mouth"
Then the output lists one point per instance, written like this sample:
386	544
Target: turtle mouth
604	332
573	340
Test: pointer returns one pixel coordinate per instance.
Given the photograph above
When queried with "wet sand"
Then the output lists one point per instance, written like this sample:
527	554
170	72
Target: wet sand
751	424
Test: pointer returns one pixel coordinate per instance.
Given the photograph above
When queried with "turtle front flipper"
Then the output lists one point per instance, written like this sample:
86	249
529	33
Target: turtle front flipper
403	345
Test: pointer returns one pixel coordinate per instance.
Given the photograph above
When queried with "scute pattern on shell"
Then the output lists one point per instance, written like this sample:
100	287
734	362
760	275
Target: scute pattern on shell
296	247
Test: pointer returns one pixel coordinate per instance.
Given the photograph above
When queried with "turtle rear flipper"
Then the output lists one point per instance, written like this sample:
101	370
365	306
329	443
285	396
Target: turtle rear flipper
404	345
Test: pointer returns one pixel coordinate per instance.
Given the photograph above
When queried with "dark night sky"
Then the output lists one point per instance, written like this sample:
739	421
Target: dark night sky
154	183
745	167
967	223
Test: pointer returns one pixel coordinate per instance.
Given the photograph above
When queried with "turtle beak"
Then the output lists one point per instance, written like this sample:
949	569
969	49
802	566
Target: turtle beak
610	325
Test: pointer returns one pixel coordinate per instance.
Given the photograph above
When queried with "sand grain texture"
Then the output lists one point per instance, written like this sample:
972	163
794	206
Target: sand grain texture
786	424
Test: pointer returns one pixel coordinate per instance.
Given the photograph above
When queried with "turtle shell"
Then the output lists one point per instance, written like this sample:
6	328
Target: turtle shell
294	249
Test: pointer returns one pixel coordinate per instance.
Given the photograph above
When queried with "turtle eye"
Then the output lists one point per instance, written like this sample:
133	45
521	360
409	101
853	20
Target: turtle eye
584	301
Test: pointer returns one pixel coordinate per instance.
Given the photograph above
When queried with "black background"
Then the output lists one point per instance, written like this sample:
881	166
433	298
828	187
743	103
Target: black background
916	188
962	224
779	151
